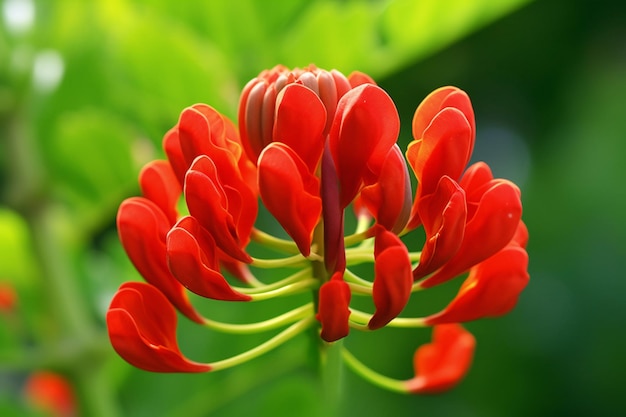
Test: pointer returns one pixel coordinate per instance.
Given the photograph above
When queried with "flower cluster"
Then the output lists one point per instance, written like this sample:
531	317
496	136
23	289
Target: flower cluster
313	146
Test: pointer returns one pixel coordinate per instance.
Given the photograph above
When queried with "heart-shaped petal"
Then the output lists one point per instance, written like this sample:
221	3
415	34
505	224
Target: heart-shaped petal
290	192
333	308
142	329
441	364
393	278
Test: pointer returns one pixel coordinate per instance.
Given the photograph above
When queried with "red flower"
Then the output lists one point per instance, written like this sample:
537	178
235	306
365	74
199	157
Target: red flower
311	143
50	393
8	298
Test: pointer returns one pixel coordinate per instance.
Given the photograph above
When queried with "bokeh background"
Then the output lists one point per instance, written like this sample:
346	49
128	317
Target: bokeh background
87	89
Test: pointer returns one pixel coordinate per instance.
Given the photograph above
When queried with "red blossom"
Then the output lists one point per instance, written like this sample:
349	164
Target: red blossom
51	393
441	364
308	144
8	298
142	328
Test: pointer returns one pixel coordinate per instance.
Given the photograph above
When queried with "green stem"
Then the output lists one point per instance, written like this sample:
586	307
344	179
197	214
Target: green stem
372	376
331	366
274	342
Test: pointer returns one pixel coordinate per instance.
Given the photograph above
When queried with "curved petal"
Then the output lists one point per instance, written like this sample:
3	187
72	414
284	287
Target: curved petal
299	123
290	192
443	214
438	100
443	149
365	127
159	184
142	328
192	258
389	197
142	229
171	146
491	289
493	225
333	309
442	364
211	204
393	278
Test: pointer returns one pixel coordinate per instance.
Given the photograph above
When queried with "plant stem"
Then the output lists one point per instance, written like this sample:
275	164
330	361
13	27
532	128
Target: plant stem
331	369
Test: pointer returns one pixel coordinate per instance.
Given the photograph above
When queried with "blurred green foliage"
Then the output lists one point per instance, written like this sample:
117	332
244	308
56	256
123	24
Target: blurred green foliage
88	89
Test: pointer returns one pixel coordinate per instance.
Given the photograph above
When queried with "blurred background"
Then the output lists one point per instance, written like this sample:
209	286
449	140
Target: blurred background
87	90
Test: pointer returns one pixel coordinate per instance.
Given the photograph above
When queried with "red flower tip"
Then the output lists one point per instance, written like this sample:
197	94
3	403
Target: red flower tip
333	308
299	122
444	148
438	100
442	364
51	393
290	192
491	289
142	328
393	278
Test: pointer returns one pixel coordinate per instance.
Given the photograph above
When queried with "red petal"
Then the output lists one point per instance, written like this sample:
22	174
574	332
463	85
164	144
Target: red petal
390	207
443	214
357	78
393	278
491	289
192	259
365	127
160	185
211	204
142	328
299	123
333	308
290	192
443	149
493	225
171	145
438	100
441	364
142	229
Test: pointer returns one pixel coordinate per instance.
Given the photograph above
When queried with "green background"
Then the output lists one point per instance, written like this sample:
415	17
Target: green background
547	80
